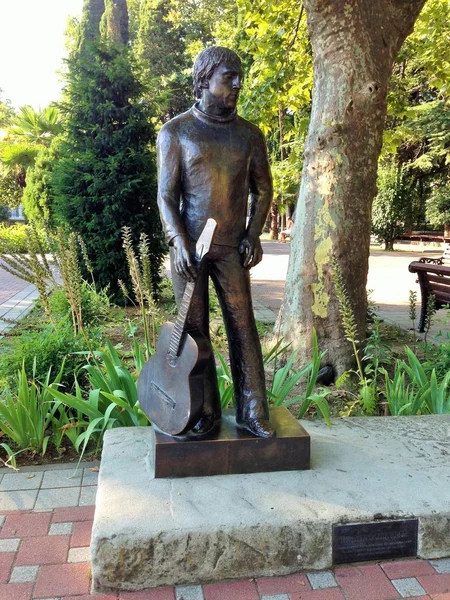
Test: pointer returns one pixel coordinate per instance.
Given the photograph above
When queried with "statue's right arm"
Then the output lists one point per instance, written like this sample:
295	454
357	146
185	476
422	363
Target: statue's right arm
169	194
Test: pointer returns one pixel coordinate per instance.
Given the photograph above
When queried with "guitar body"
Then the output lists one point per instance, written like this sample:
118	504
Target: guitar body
170	390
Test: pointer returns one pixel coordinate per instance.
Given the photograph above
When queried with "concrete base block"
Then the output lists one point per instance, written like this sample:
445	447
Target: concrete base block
151	532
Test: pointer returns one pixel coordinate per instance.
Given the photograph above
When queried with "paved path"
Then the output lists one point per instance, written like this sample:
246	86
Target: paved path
16	299
388	277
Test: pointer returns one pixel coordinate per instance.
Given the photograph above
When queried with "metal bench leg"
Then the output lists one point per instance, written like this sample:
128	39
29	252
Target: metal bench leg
424	294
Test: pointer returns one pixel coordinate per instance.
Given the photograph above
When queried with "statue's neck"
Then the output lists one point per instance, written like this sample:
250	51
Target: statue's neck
208	117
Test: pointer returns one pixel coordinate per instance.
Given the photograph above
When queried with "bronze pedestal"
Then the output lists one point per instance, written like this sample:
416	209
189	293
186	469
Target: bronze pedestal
230	450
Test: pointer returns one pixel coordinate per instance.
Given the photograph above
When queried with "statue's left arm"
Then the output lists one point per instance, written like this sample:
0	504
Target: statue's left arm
261	196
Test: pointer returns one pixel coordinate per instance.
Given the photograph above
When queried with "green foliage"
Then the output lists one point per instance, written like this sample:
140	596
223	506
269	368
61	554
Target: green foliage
48	347
17	157
417	129
419	88
286	378
116	384
38	195
94	305
160	49
10	190
13	238
402	398
284	381
391	211
4	212
376	351
112	401
414	390
36	127
438	401
32	267
438	358
139	268
438	204
26	414
106	177
347	313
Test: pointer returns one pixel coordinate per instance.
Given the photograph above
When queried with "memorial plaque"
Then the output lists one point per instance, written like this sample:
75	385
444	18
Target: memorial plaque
375	541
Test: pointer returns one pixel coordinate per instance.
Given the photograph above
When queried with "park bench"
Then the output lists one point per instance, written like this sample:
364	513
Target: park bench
434	278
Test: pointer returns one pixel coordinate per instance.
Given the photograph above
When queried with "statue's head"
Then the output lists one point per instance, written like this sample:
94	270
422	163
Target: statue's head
218	72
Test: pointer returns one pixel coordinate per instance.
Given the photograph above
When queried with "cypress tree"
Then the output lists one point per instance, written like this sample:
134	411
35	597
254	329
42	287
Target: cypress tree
106	178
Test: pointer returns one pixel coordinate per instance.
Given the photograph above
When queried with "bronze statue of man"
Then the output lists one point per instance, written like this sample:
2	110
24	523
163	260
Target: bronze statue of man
209	161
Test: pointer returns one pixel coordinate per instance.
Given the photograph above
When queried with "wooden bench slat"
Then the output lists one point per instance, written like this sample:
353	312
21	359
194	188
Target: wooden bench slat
444	280
441	291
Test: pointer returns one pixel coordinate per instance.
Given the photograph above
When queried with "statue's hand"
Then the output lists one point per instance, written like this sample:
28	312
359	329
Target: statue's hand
183	263
251	249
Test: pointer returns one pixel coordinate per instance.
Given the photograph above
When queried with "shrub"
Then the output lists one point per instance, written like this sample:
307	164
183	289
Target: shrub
94	305
13	238
49	347
37	197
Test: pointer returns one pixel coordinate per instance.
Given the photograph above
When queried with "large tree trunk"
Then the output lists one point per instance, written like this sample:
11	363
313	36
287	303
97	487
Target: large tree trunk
354	45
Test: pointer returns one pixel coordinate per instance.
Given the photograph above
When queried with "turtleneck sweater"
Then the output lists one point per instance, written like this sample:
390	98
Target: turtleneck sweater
207	167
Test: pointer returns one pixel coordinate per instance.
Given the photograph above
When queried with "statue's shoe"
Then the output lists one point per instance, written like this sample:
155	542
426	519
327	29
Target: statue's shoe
205	424
259	427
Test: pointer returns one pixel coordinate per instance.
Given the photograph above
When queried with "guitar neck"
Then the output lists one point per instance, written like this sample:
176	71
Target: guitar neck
180	323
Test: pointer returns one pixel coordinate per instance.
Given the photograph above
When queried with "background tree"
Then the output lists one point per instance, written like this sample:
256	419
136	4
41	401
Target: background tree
38	195
6	112
160	48
393	205
417	129
354	47
273	40
29	132
438	206
106	177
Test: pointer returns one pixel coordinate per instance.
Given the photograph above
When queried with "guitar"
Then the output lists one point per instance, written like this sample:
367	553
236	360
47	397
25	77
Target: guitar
170	386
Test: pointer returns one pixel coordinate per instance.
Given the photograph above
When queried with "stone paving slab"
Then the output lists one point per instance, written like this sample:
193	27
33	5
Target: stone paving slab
47	487
16	307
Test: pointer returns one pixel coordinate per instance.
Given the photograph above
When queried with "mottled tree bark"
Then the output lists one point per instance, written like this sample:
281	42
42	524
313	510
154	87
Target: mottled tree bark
354	45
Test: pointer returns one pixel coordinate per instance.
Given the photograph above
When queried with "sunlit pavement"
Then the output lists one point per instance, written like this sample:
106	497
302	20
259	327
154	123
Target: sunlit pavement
389	281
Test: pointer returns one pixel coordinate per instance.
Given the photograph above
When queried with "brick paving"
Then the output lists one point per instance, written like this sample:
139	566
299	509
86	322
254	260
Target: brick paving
36	565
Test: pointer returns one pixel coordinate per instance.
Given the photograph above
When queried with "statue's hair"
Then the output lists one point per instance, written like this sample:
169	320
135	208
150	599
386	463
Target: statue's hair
208	60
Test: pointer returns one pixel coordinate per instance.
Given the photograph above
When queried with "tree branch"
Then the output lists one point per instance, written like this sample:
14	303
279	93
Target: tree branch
296	29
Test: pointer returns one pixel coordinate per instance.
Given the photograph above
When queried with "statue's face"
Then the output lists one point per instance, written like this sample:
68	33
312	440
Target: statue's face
224	86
